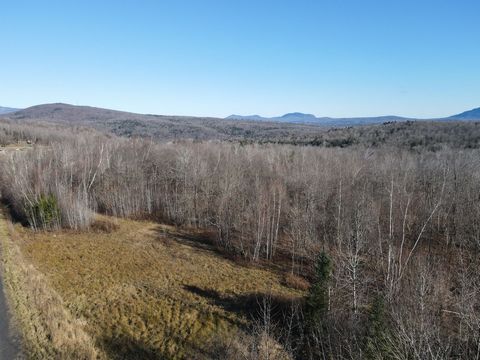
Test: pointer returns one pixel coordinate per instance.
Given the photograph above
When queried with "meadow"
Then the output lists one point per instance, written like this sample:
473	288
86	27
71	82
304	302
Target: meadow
147	291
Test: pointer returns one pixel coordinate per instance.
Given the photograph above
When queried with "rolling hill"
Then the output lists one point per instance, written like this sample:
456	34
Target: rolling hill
162	127
473	114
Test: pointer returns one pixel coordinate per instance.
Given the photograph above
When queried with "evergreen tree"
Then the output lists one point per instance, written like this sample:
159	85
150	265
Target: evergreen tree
376	340
316	304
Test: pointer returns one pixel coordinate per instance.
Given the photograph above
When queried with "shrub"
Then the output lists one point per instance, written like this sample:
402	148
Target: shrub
104	226
44	213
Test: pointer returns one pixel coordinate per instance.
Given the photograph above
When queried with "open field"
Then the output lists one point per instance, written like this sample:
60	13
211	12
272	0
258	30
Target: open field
143	291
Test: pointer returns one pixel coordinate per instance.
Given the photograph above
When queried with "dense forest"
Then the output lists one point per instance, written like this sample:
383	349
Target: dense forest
380	225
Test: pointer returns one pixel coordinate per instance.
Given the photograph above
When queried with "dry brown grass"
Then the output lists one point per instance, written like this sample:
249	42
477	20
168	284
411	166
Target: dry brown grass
296	282
144	292
48	329
104	226
258	347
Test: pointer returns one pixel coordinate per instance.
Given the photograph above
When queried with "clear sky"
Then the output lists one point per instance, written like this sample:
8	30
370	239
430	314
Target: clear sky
330	58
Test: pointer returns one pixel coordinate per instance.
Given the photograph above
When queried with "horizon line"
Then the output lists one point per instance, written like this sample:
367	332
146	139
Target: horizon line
249	115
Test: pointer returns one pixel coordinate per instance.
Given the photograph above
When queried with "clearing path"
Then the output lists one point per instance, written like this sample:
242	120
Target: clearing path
9	349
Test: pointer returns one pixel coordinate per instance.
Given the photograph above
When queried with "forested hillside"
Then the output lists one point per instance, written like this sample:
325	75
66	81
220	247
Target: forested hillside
421	134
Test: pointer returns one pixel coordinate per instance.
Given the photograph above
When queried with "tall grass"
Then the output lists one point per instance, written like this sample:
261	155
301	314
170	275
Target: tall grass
49	330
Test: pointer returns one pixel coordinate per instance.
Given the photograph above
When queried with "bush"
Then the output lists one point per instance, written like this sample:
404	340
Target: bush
44	213
104	226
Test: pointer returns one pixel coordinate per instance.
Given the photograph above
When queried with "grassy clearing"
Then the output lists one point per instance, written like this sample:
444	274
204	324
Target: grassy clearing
49	331
146	292
20	146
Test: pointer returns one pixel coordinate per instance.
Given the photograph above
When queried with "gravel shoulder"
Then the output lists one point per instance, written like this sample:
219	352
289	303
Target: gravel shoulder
9	344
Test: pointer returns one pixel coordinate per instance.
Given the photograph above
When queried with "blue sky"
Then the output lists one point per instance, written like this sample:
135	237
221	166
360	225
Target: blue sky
330	58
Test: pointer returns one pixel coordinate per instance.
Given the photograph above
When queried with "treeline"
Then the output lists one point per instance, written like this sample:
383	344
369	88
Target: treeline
412	135
39	133
415	136
397	225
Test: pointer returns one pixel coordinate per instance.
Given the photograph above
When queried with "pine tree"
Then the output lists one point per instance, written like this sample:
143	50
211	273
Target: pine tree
376	340
316	305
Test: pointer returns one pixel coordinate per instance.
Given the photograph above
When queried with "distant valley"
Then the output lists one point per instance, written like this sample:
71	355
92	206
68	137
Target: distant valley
6	110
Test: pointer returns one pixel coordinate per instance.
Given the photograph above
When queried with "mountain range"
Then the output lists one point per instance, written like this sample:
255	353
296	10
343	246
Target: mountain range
301	118
85	114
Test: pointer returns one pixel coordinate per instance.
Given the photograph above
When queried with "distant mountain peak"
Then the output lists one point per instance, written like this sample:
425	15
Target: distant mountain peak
244	117
298	115
294	117
473	114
